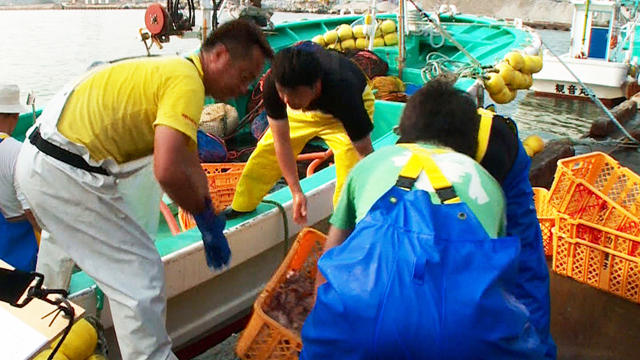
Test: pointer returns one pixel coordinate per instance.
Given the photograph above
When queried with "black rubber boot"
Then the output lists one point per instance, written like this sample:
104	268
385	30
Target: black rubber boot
229	213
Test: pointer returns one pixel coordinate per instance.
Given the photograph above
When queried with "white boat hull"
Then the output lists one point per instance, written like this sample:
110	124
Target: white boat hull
199	300
608	80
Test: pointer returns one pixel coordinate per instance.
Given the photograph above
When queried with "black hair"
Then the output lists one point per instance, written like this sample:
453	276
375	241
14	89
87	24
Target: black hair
238	36
296	66
441	114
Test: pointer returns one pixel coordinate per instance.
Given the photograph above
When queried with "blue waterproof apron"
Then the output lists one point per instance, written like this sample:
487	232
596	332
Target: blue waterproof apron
532	287
417	280
18	246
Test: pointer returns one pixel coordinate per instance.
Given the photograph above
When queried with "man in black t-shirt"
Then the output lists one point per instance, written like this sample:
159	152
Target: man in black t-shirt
309	92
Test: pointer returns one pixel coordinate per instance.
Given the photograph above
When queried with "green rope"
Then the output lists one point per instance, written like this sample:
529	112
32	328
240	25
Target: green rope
285	223
435	67
437	63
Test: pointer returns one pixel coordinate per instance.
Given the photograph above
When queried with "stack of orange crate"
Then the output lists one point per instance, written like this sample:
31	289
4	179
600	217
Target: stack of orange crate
596	234
222	179
546	217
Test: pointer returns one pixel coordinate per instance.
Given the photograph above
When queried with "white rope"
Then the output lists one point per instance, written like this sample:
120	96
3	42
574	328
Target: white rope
594	98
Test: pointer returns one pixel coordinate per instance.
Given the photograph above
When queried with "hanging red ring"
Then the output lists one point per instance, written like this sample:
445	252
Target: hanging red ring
155	19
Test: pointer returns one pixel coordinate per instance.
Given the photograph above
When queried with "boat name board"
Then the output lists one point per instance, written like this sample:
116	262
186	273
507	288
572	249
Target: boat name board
570	89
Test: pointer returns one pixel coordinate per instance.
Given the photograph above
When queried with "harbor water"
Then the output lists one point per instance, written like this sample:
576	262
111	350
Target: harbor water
43	49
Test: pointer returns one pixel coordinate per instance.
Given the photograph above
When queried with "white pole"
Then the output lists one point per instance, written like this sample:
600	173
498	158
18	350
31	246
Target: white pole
371	24
401	38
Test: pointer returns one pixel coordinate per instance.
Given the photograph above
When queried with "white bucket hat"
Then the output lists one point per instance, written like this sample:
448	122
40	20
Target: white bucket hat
10	100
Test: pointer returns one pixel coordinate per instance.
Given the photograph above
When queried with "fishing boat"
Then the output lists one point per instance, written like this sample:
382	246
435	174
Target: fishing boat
603	54
200	301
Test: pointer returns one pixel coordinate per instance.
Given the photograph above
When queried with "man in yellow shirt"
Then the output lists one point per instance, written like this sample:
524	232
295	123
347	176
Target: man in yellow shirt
105	136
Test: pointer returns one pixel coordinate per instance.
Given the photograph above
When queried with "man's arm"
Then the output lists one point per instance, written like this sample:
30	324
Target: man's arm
177	169
335	238
363	146
287	162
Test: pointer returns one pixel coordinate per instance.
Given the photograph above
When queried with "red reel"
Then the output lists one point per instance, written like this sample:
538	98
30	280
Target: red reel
156	19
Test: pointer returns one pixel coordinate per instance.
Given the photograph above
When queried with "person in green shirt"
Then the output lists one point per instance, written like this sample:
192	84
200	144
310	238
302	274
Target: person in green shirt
378	172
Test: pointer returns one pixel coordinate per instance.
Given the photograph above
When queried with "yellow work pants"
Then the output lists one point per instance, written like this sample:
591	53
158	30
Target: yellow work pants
263	171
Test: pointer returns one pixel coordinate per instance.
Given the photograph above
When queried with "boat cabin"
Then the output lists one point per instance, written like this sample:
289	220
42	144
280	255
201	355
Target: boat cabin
595	29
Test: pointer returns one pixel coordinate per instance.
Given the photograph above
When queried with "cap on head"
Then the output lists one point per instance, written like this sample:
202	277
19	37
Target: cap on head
10	99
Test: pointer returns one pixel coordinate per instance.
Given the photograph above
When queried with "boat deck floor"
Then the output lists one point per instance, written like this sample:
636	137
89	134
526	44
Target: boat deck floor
223	351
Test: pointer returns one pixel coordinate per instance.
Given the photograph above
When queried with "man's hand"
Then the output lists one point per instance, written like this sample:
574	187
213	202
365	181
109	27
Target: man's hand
300	208
216	247
287	162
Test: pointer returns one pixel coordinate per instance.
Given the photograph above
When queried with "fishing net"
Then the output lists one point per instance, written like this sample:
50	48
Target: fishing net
370	63
389	88
255	105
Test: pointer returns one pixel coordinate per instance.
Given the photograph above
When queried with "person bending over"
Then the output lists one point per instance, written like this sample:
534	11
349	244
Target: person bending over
309	92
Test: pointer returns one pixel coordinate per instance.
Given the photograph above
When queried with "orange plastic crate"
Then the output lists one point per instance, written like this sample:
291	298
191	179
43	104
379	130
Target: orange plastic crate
222	178
595	188
597	256
546	218
264	338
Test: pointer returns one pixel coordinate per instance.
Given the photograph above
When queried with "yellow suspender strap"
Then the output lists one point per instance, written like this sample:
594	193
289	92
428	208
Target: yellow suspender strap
421	160
484	131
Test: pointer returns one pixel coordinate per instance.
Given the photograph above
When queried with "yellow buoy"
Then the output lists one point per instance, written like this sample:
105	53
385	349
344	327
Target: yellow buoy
528	81
348	44
533	144
391	39
335	46
515	59
330	37
378	42
519	82
507	73
81	341
358	31
494	84
388	26
96	357
361	43
44	355
318	39
532	64
504	97
345	32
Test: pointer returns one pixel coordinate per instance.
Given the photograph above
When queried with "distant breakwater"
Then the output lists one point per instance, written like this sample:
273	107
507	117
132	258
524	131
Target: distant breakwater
548	14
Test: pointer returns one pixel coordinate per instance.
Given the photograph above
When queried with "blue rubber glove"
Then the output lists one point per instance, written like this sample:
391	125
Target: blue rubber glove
216	246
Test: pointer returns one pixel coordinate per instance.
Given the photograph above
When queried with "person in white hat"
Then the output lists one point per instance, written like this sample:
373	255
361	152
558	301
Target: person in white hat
18	245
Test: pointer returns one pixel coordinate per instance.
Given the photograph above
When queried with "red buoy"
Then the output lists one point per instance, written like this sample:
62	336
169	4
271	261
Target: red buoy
156	19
